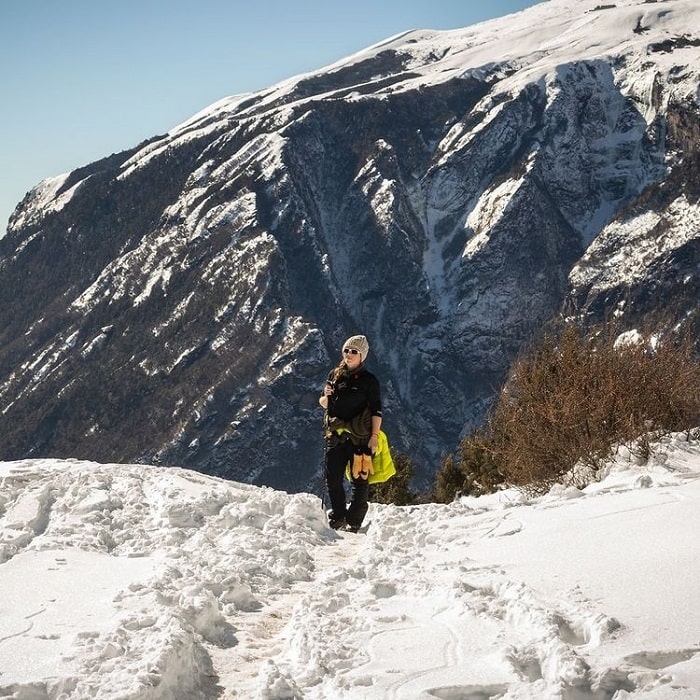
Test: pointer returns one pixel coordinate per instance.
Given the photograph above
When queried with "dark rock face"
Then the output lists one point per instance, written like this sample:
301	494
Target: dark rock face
646	262
181	303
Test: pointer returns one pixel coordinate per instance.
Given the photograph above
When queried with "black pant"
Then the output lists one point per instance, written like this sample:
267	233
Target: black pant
337	458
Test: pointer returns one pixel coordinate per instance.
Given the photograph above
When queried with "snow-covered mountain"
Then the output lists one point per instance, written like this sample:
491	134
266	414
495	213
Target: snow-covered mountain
445	193
124	582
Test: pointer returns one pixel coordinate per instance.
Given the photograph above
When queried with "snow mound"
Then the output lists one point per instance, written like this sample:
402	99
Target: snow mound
126	581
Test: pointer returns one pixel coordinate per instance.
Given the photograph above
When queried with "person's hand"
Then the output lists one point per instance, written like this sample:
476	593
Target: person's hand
373	443
328	389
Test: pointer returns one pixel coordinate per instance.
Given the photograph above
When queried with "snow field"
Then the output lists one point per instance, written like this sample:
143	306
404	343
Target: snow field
129	581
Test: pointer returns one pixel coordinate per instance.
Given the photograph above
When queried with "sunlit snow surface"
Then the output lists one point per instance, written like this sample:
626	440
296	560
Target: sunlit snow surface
124	581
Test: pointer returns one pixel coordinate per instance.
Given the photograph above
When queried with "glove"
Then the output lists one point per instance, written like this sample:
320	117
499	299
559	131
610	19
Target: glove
362	466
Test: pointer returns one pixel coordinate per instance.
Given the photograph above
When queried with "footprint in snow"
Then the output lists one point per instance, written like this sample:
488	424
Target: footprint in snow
657	660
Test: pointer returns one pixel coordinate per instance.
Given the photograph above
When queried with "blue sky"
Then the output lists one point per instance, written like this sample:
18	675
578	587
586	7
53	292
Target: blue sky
81	79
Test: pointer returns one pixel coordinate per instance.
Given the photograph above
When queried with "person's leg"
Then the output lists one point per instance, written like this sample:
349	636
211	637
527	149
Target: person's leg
337	458
358	503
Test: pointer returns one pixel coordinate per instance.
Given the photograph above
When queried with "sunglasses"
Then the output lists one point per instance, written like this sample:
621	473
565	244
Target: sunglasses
352	351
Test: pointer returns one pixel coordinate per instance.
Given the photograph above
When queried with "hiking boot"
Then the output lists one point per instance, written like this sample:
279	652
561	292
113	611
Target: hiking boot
351	528
338	524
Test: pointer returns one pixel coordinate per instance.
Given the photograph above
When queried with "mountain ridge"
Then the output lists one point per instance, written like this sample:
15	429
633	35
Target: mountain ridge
181	302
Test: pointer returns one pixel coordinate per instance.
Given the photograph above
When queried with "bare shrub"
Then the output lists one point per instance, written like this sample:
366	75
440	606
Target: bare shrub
448	481
474	471
570	399
398	489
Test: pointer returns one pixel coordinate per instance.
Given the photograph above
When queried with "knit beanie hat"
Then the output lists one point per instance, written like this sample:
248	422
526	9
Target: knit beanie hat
360	343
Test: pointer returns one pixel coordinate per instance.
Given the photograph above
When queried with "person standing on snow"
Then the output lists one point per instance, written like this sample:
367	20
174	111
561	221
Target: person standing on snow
352	399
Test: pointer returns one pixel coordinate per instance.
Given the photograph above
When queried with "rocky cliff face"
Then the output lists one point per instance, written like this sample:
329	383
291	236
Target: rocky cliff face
444	193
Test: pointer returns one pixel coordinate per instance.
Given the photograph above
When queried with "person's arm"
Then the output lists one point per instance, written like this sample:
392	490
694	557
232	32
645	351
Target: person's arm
375	406
328	389
374	437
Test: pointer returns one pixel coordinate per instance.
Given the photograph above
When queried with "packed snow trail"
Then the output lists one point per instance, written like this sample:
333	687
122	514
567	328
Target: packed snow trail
261	634
133	582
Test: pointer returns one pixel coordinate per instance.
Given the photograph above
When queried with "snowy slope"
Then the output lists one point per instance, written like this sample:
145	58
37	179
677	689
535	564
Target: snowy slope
528	46
123	581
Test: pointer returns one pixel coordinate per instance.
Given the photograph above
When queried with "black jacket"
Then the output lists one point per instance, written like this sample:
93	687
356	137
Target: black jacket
356	399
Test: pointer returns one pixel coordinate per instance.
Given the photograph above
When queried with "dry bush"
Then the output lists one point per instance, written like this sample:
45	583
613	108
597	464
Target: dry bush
474	471
572	398
448	481
396	490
